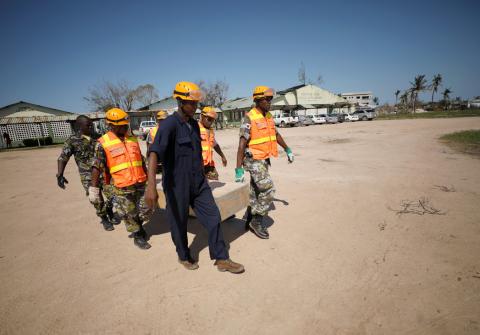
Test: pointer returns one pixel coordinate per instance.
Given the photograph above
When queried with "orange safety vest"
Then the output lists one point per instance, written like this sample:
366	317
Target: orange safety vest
263	138
124	159
152	133
208	142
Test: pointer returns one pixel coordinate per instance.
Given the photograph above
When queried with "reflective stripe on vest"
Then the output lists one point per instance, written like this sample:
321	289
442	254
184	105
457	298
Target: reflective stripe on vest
124	159
263	139
208	142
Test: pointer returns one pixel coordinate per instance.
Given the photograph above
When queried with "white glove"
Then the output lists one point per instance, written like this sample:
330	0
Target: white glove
94	194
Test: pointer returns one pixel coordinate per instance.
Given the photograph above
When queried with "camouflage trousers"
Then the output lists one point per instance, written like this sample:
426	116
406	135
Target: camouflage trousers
211	172
262	189
130	206
106	203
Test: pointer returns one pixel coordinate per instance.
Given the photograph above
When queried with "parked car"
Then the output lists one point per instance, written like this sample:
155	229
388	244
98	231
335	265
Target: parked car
318	119
304	121
364	115
351	117
340	117
330	118
145	127
285	118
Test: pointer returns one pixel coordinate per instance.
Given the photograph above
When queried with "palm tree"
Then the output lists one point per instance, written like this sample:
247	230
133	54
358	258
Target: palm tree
419	84
436	82
446	96
404	99
397	92
376	101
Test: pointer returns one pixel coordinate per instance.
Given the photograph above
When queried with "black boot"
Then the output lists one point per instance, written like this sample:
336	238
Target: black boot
140	239
107	225
258	228
248	218
112	217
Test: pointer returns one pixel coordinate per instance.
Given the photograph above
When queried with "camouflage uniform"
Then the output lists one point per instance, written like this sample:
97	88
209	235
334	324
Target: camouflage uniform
149	141
129	201
211	172
262	189
82	148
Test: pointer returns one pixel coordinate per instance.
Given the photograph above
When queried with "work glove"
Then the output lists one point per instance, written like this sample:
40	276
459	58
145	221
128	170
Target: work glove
94	194
290	156
61	181
239	175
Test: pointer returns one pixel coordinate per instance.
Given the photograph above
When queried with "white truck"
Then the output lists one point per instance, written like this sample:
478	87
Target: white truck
285	118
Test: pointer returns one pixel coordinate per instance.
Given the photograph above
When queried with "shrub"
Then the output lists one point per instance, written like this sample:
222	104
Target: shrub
33	142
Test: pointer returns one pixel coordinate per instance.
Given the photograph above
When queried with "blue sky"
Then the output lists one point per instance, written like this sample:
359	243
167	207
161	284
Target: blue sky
53	51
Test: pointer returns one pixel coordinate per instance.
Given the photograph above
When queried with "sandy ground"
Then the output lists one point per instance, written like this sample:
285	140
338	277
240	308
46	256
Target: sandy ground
339	261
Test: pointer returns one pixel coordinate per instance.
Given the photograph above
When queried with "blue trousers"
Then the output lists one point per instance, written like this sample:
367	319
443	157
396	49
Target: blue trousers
179	198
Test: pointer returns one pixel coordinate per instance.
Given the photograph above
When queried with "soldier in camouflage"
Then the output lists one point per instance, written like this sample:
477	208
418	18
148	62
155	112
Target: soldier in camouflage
129	200
81	145
118	156
258	142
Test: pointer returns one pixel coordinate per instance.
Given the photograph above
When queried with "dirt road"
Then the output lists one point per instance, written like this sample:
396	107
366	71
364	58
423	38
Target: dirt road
340	260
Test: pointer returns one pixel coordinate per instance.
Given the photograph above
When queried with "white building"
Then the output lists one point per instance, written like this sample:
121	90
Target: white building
302	99
362	99
23	120
474	103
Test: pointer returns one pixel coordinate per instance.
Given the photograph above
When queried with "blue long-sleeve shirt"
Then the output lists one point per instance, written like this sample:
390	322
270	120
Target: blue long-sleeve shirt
178	147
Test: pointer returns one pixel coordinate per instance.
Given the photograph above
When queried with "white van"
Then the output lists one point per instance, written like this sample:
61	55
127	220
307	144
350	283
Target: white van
285	118
145	127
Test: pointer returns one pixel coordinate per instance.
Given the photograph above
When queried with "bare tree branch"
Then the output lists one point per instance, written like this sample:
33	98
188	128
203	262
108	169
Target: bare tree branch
302	76
120	94
418	207
216	93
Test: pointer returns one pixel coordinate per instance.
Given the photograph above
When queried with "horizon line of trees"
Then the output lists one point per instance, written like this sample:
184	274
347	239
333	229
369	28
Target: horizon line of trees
122	94
409	96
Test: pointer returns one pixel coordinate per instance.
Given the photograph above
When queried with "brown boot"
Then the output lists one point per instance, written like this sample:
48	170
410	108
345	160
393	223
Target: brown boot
189	264
229	265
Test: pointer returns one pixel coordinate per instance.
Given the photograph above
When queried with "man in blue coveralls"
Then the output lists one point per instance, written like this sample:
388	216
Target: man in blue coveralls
177	145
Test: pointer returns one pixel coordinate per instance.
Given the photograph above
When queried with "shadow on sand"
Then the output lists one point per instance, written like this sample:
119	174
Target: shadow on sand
232	229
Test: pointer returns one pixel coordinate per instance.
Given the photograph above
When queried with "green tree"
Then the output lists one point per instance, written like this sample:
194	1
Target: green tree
419	84
446	96
397	92
404	99
436	82
376	101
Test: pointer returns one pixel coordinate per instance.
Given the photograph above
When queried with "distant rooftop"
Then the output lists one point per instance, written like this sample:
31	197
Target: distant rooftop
291	89
28	109
168	103
357	93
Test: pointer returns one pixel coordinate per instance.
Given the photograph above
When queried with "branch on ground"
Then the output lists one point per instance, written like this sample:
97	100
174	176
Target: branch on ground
418	207
445	188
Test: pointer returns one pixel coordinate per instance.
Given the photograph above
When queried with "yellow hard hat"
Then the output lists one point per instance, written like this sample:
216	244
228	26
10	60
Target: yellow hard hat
210	112
161	115
185	90
261	92
116	116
